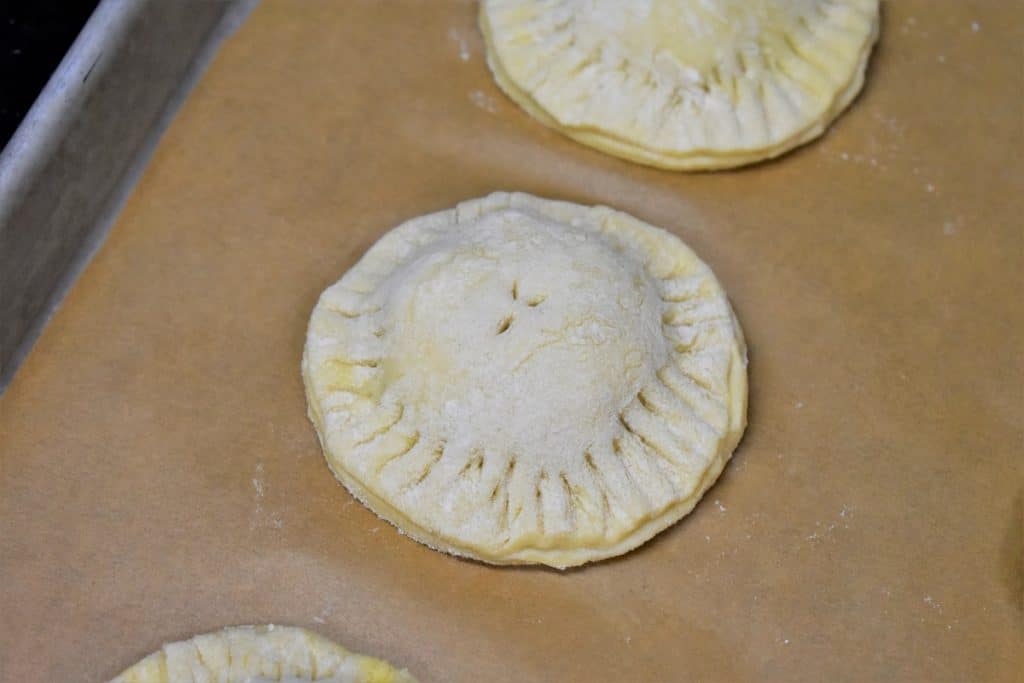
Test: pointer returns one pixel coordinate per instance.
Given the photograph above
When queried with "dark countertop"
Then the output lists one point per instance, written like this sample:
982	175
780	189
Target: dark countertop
34	36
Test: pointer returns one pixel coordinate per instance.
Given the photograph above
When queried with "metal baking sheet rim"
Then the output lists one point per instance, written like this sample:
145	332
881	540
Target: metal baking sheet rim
90	65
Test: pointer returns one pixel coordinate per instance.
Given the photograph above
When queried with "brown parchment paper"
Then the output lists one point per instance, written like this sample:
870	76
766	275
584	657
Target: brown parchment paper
159	477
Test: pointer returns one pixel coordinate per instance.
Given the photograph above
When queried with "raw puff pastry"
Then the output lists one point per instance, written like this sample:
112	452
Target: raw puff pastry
682	84
519	380
260	654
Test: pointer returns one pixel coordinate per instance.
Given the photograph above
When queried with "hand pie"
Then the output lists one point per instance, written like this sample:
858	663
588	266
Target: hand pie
520	380
260	654
682	84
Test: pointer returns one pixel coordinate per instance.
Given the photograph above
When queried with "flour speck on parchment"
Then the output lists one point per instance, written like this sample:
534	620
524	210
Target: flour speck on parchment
460	40
824	531
484	101
952	226
259	517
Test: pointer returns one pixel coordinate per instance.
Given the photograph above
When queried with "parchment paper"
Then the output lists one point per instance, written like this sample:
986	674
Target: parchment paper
160	478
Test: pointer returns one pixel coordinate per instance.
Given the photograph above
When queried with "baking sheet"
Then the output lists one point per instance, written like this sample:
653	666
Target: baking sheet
158	476
71	164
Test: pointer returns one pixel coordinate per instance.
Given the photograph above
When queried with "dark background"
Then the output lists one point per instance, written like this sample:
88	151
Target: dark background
34	36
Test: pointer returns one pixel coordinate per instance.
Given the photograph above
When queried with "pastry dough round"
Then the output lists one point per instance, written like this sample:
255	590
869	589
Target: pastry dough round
682	84
519	380
260	654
